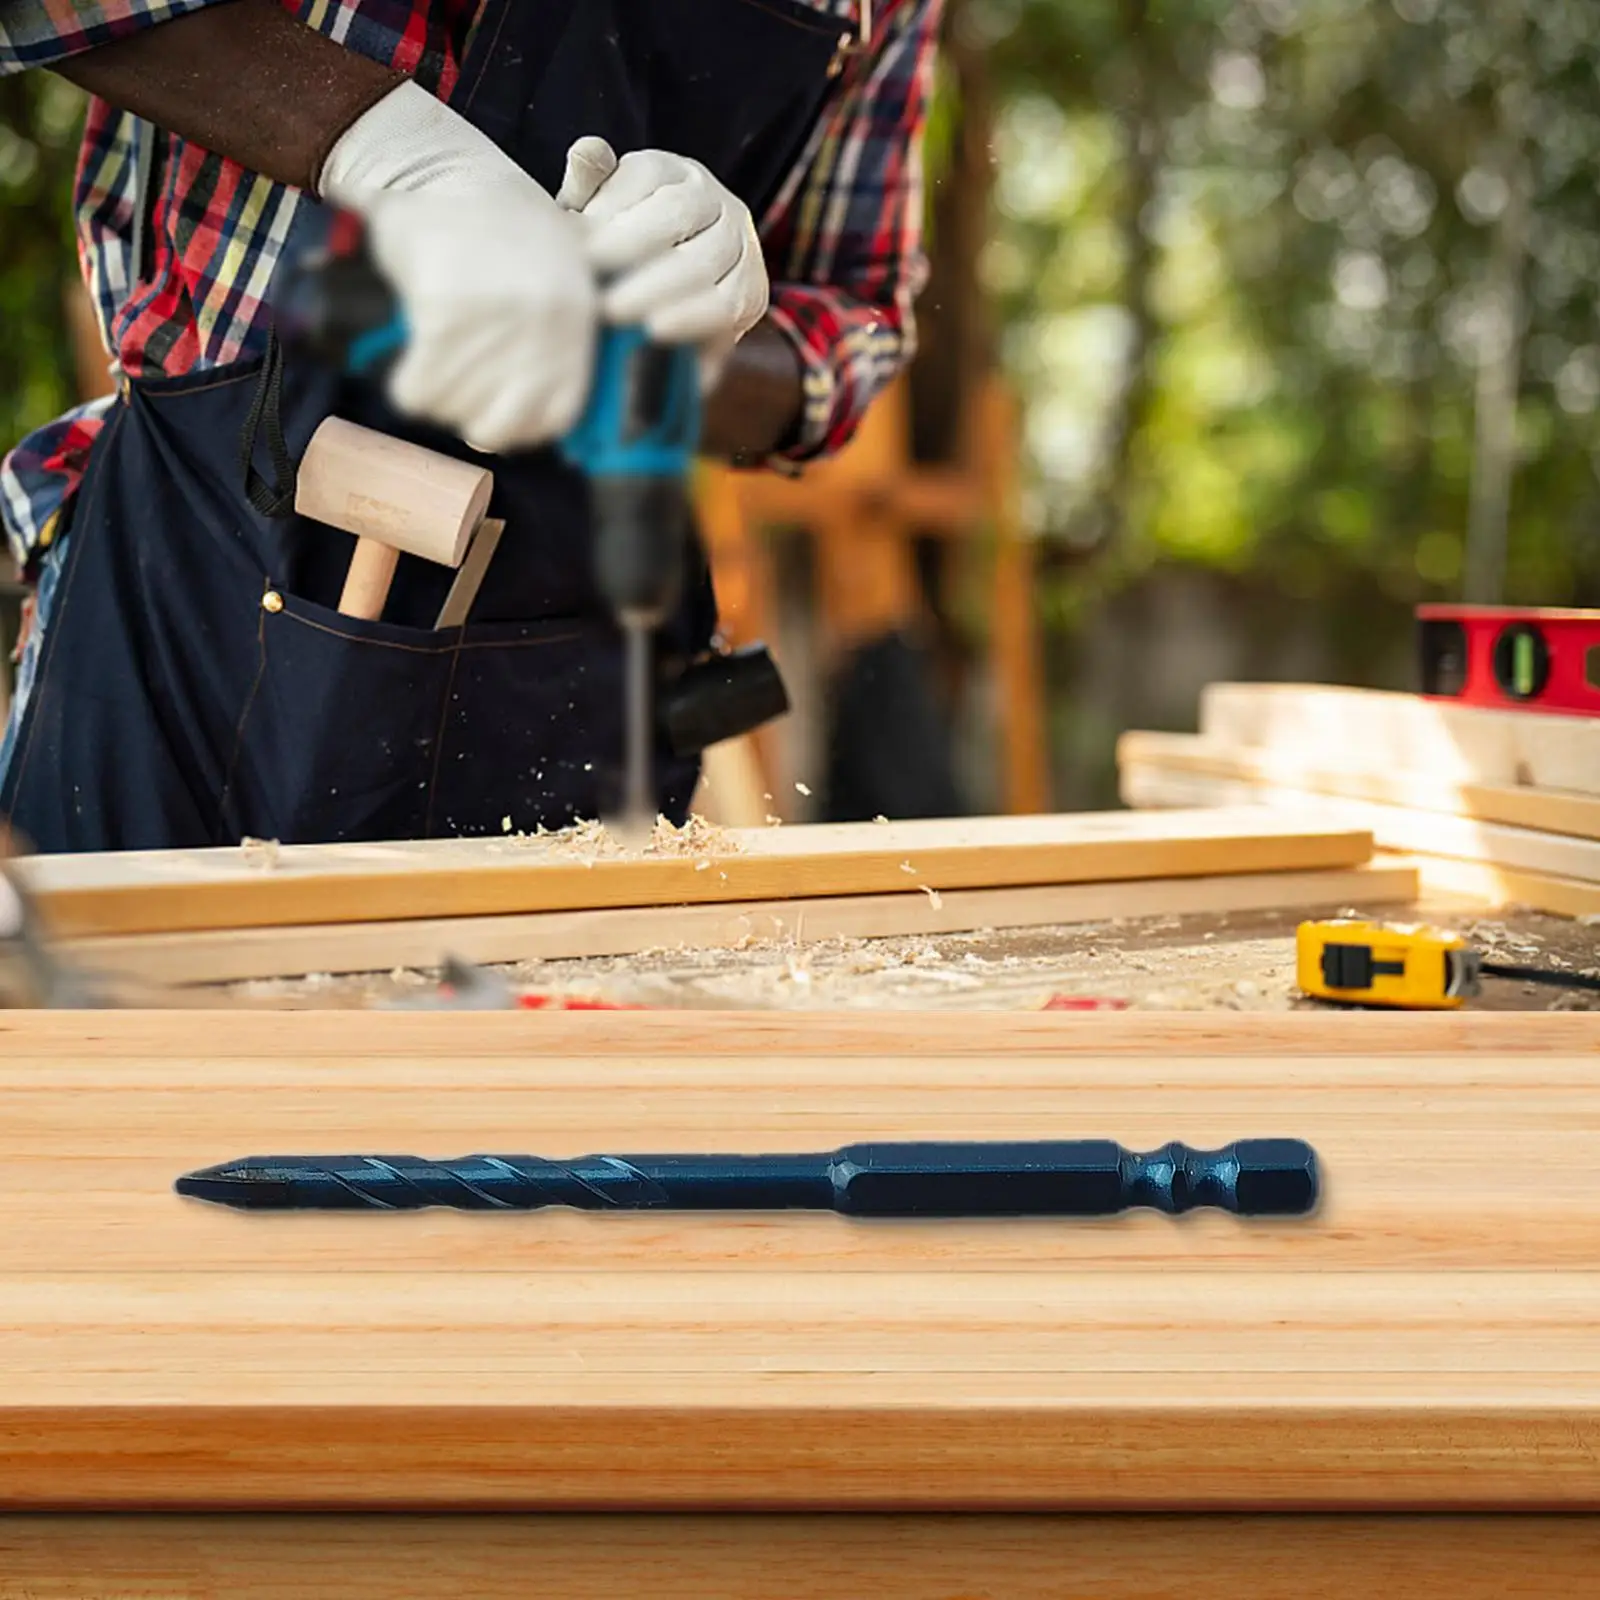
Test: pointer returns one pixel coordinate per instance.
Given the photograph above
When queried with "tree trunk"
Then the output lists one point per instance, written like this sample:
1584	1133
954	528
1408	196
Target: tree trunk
1143	139
956	336
1494	456
955	330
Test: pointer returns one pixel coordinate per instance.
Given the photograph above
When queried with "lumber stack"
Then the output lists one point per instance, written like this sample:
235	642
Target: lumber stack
1501	805
219	915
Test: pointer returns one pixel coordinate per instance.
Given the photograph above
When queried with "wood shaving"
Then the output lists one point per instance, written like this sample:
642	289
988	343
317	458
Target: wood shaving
591	841
588	841
696	837
800	788
935	899
263	854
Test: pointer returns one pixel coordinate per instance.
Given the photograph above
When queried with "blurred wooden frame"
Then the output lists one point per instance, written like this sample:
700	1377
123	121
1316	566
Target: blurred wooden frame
863	510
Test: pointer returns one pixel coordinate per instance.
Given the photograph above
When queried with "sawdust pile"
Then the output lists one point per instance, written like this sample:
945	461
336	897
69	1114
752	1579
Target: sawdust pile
696	837
591	841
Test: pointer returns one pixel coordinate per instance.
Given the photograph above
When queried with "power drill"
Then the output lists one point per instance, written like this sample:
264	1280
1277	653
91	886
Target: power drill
636	444
636	441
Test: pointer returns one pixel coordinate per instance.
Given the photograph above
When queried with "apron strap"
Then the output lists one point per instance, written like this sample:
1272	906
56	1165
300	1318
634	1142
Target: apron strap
275	498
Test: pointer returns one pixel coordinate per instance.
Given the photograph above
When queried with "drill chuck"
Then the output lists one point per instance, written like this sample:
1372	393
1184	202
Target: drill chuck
640	537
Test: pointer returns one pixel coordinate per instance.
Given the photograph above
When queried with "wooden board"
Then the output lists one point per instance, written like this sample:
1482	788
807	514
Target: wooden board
1369	731
255	1035
193	958
1128	1557
1548	810
179	891
1430	1339
1503	886
1150	784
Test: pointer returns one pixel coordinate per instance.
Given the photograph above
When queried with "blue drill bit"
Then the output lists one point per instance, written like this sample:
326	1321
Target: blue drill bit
1078	1178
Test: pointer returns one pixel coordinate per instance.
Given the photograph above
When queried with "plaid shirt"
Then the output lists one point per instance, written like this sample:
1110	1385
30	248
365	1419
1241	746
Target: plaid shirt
842	240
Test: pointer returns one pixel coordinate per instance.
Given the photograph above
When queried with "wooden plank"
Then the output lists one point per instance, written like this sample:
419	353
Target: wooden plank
192	958
976	1557
1369	730
404	1040
1548	810
1421	833
178	891
1431	1339
1502	886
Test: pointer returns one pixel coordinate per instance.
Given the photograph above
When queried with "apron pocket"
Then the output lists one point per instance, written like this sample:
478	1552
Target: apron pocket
362	731
532	728
533	732
339	737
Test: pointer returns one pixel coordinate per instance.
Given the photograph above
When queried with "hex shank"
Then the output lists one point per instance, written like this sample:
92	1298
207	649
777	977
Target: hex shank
1089	1177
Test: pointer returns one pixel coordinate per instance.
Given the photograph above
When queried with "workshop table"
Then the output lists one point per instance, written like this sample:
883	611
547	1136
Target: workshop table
1404	1388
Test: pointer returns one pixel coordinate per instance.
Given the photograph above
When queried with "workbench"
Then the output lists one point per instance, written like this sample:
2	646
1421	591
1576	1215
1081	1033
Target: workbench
1240	961
1403	1389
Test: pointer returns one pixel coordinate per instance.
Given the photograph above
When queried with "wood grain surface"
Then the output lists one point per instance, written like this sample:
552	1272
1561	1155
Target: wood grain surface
178	891
1129	1557
1371	730
1430	1340
1153	784
241	953
1547	810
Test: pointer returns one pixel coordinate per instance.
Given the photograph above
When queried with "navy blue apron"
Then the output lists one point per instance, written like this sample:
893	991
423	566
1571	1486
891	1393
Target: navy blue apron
197	685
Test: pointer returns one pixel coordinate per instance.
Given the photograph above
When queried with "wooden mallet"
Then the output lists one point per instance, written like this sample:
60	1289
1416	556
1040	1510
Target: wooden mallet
397	498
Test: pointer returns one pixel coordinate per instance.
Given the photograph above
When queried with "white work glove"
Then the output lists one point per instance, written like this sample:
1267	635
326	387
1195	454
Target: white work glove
499	297
679	253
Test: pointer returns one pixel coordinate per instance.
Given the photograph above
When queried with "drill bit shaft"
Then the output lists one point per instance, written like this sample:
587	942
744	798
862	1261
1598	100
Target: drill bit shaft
1080	1178
638	804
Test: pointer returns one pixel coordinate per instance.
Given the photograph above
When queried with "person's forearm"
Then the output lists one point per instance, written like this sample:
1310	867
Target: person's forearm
244	80
755	408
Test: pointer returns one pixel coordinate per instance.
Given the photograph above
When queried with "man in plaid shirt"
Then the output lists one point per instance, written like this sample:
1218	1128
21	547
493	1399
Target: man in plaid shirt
765	207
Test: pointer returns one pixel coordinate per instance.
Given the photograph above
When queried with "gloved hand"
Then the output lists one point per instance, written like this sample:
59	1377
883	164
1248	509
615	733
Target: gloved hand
499	297
679	251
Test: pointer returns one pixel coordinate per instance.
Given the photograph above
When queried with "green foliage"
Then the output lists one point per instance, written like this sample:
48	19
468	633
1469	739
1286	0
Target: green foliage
1303	300
40	117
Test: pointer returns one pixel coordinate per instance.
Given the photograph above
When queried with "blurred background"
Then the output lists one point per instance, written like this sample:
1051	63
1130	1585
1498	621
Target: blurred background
1252	323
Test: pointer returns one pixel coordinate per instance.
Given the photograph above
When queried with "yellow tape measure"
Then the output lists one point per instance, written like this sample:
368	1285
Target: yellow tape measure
1413	966
1374	964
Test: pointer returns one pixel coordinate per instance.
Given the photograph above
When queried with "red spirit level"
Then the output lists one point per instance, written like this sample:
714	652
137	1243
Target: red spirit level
1508	659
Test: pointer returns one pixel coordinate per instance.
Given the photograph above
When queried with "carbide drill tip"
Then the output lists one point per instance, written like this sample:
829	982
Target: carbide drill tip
231	1184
